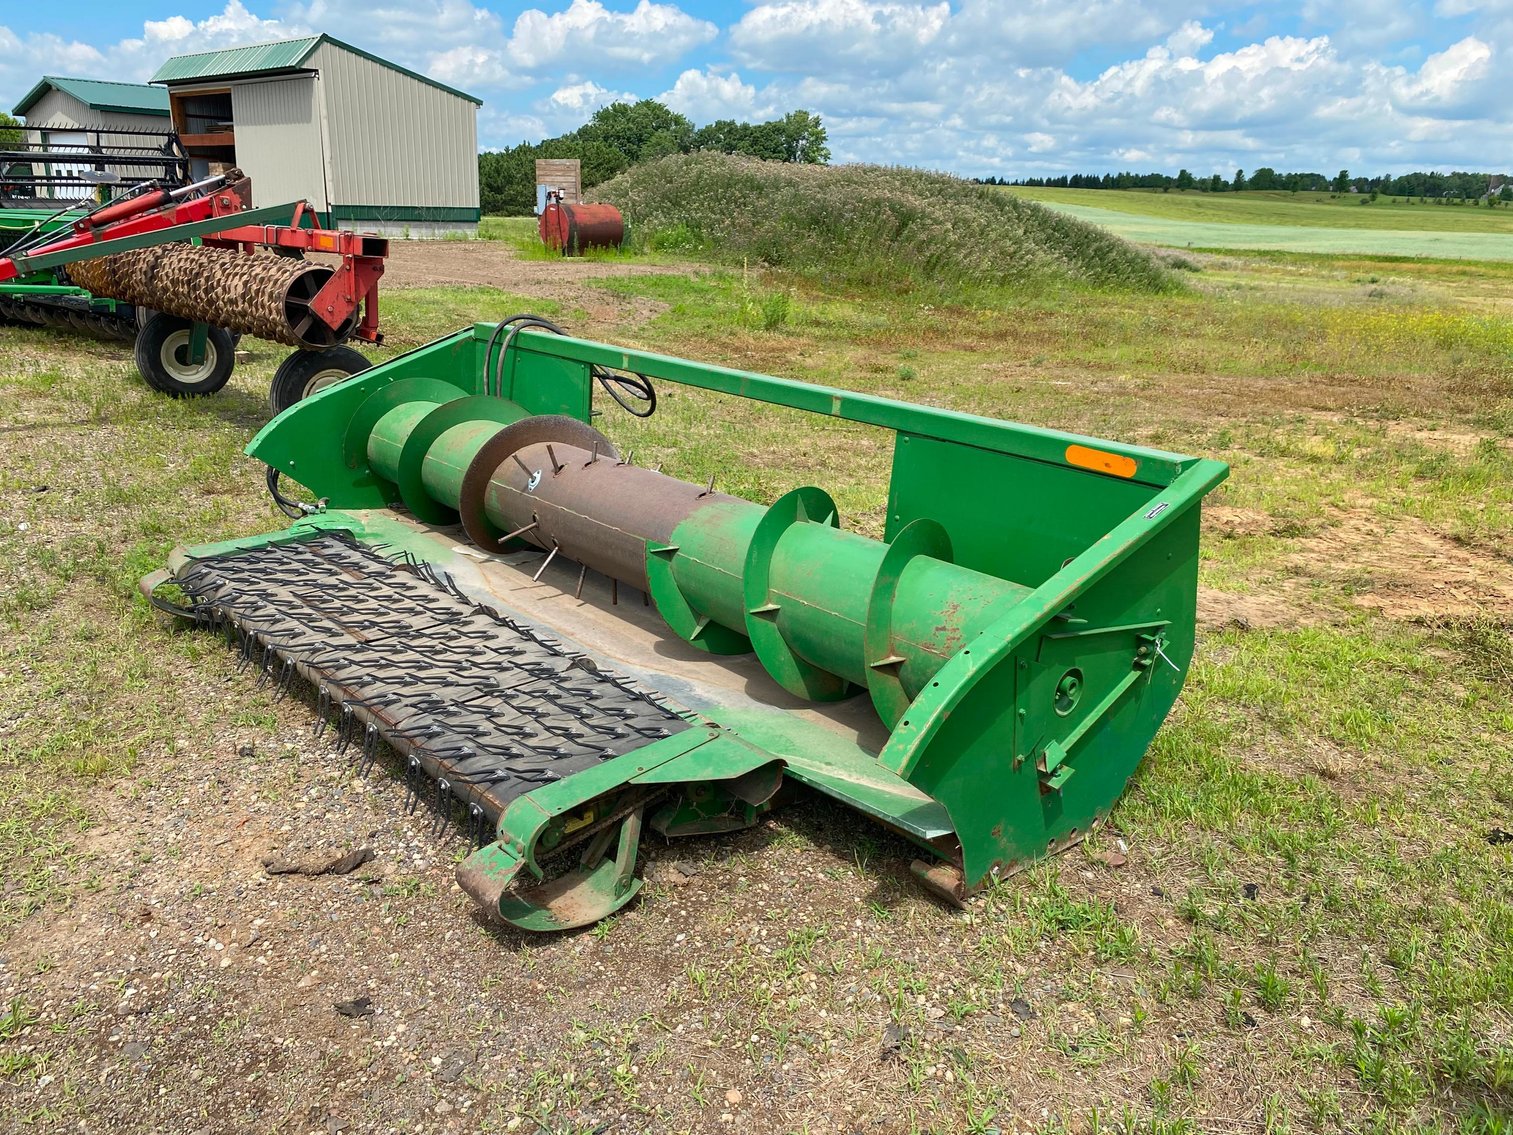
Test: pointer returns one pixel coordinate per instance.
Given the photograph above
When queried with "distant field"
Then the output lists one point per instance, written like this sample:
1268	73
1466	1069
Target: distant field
1465	244
1305	210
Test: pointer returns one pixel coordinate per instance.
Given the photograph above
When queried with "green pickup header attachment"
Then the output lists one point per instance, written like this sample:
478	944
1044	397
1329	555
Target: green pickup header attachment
984	680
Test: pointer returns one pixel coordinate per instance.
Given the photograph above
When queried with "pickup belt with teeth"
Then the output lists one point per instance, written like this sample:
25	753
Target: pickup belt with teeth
486	708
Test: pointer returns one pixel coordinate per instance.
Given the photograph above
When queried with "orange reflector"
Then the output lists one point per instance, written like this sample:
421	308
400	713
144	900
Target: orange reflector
326	243
1100	461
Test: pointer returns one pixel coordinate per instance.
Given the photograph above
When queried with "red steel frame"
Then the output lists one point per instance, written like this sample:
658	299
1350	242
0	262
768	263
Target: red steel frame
354	283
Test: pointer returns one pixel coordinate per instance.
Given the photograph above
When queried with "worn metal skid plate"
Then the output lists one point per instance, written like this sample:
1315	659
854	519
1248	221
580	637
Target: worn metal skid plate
486	707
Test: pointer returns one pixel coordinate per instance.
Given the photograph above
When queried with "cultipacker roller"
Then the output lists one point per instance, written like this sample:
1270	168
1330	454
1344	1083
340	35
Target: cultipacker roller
567	650
182	269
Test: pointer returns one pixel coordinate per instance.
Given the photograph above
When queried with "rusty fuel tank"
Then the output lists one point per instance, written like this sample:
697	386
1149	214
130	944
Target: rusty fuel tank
573	229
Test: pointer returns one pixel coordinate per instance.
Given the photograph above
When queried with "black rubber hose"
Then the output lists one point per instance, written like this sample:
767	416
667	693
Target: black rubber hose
514	325
290	508
638	385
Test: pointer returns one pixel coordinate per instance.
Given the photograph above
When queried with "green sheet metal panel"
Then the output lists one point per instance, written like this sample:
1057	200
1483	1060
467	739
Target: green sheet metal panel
543	384
99	94
254	59
1011	517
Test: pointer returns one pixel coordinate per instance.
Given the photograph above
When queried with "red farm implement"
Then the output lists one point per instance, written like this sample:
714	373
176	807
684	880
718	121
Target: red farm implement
183	271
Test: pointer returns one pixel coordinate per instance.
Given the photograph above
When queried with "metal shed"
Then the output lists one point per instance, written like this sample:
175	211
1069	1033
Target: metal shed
90	103
93	118
369	143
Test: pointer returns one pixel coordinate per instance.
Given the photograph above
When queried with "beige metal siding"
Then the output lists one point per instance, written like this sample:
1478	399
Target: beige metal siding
56	113
393	140
278	140
56	108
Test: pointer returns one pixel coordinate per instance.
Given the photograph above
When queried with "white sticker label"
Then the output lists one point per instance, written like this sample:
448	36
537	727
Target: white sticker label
1157	511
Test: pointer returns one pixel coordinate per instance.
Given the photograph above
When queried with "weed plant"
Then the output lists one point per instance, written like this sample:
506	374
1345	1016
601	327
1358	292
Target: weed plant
902	229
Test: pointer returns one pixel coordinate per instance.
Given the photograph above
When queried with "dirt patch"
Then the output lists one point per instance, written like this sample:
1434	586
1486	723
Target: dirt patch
1459	442
1399	566
1221	610
496	264
1280	606
1406	570
1230	521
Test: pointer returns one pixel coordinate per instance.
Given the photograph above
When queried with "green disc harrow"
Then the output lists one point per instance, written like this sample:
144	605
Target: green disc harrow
566	649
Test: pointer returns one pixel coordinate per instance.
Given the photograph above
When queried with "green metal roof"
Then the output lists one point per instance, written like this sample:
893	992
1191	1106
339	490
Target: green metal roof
267	58
123	98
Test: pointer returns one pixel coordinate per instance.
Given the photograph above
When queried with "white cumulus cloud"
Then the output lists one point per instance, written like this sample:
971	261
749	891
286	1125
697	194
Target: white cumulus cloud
26	56
705	96
1452	80
587	33
802	35
1188	39
586	37
585	98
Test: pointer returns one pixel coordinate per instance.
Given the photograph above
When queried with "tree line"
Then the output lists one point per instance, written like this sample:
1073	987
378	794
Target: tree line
622	134
1455	186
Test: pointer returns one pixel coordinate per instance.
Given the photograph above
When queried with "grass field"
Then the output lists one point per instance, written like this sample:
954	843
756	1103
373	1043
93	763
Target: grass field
1312	223
1303	210
1295	238
1313	931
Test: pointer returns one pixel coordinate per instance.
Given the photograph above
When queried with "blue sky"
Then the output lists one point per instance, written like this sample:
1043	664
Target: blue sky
972	86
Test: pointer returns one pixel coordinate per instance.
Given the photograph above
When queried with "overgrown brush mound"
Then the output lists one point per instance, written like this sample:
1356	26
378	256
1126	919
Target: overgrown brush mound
868	224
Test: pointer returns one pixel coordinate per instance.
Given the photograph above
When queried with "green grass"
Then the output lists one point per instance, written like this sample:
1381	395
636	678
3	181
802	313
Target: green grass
516	230
1203	236
1274	221
1307	210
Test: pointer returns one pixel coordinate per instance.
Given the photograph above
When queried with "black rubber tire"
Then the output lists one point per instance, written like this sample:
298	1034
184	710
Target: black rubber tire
305	372
161	346
143	314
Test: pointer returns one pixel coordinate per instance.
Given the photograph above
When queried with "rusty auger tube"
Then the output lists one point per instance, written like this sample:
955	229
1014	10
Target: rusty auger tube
266	296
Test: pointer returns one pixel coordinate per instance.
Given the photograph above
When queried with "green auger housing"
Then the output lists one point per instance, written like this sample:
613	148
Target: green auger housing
984	680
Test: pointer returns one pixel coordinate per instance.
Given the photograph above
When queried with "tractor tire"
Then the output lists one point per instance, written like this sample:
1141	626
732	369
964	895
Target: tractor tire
306	372
162	355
